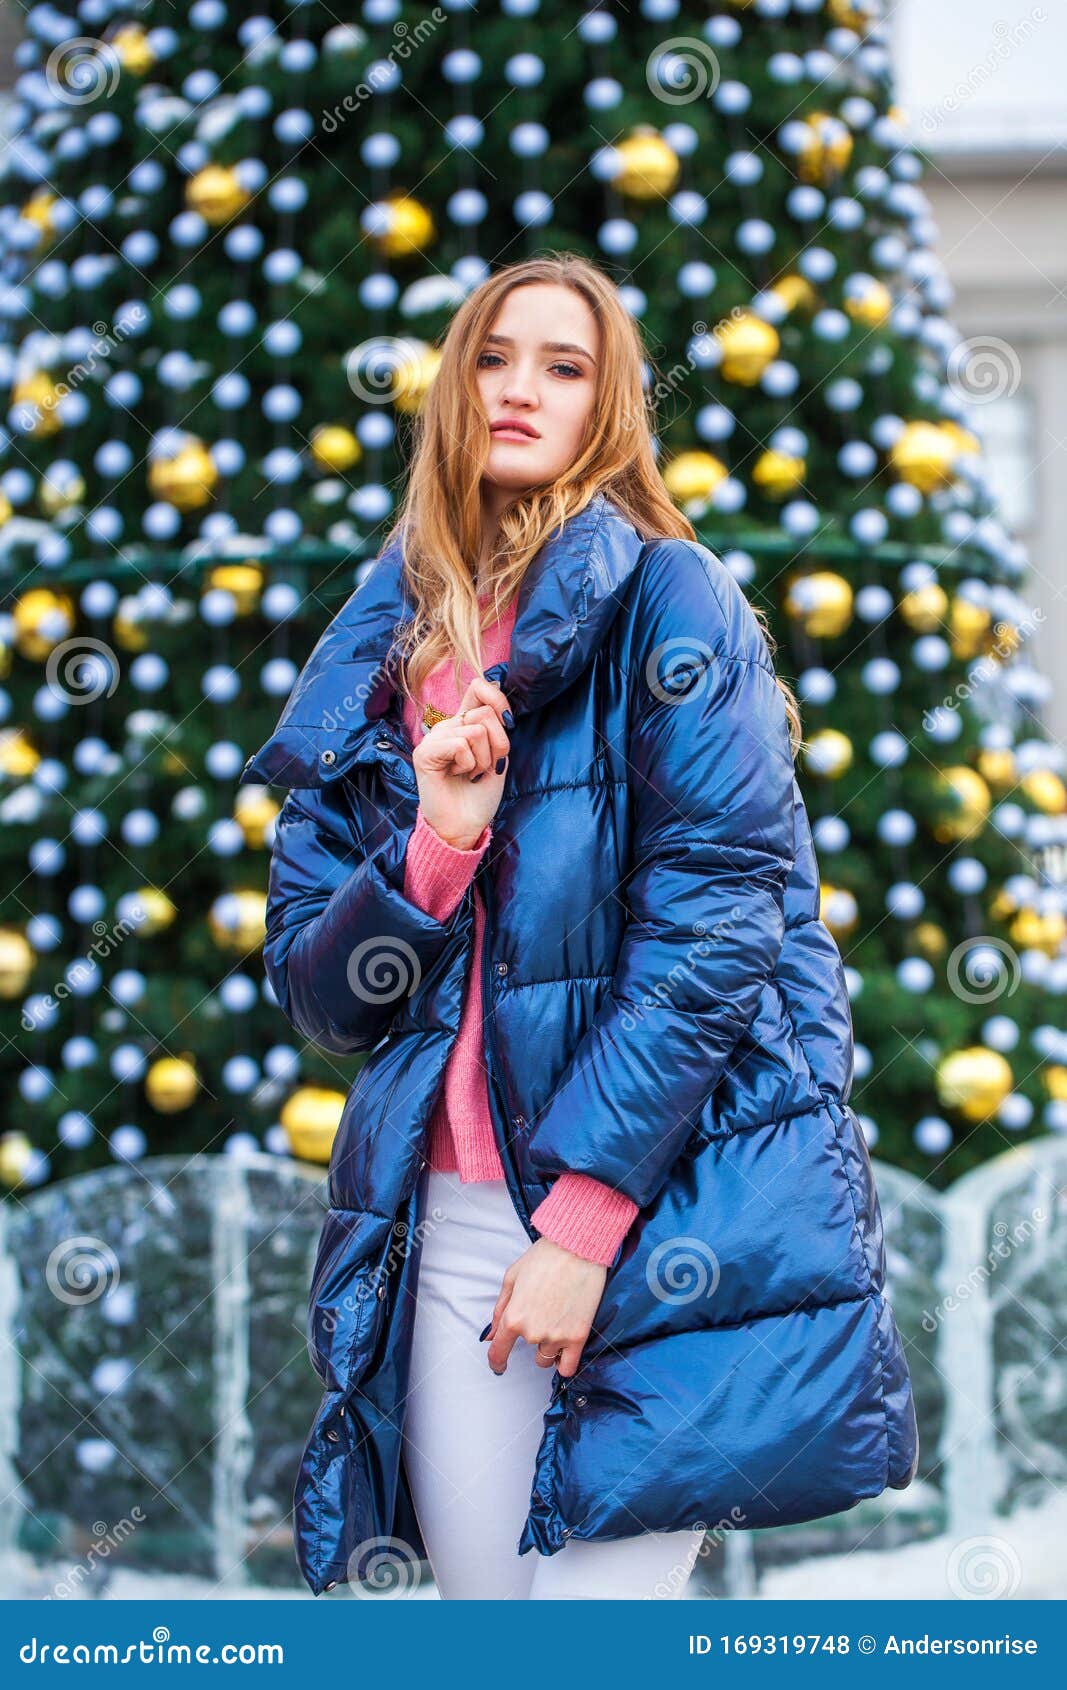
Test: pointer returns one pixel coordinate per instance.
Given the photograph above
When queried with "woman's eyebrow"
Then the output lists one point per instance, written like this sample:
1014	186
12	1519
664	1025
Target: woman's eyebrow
546	345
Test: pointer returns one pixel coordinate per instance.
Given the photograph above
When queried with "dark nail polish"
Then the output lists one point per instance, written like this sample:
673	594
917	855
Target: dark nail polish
484	1333
478	777
500	765
508	719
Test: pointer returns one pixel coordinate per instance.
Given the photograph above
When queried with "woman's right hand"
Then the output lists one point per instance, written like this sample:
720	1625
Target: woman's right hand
456	766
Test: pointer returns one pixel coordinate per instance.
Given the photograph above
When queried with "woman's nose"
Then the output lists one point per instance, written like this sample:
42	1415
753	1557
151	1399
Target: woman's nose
519	390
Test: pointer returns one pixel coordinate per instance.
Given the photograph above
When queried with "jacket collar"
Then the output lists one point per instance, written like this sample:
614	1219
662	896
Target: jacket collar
567	601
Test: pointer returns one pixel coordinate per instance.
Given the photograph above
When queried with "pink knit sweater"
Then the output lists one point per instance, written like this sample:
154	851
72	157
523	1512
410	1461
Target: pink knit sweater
579	1213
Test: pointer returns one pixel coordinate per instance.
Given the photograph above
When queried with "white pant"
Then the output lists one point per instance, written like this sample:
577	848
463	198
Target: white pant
471	1438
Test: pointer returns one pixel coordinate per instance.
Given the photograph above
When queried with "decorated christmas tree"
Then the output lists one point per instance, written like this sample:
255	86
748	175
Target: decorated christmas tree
231	238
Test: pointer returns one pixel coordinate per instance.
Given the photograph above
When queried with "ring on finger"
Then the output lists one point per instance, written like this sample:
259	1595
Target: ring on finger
552	1355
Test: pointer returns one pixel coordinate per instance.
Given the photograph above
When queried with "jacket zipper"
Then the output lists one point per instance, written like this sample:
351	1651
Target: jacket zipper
511	1178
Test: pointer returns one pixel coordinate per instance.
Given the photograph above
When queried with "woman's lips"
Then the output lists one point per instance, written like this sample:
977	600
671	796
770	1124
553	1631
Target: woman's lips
508	431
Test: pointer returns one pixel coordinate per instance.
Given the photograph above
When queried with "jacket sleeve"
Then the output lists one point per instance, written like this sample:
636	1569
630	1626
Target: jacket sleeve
344	946
711	771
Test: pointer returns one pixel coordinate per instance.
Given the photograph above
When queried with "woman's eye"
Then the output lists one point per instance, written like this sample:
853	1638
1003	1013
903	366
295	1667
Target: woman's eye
568	369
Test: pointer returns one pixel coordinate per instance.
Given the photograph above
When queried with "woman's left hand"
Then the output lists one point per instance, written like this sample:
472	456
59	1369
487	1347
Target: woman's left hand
549	1297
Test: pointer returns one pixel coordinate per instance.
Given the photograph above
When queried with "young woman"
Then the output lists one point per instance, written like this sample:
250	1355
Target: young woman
603	1264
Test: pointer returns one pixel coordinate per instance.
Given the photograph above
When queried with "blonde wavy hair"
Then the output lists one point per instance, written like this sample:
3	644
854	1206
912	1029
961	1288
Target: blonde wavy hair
440	517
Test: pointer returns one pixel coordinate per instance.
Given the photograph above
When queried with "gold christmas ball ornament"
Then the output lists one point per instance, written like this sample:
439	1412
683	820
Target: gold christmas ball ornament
18	755
406	227
1055	1078
43	619
156	912
187	479
36	398
970	627
974	1082
16	1152
693	475
335	448
1034	931
238	920
777	474
868	302
828	753
856	15
40	211
132	48
6	510
748	345
1046	790
925	609
965	441
16	962
216	193
130	625
171	1084
58	493
924	456
650	166
838	909
1006	640
826	150
931	941
311	1117
243	581
1003	905
412	379
967	800
254	810
795	292
997	769
821	602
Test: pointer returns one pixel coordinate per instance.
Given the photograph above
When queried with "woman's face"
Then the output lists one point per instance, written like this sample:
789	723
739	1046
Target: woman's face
537	372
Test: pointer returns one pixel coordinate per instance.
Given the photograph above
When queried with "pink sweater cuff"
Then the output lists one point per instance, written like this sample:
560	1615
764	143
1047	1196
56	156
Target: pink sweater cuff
585	1216
436	874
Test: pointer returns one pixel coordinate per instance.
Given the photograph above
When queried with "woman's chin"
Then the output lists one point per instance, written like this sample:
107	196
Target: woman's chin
514	481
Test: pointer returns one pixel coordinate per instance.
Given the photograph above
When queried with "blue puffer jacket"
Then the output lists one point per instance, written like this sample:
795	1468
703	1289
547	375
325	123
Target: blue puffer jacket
665	1011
